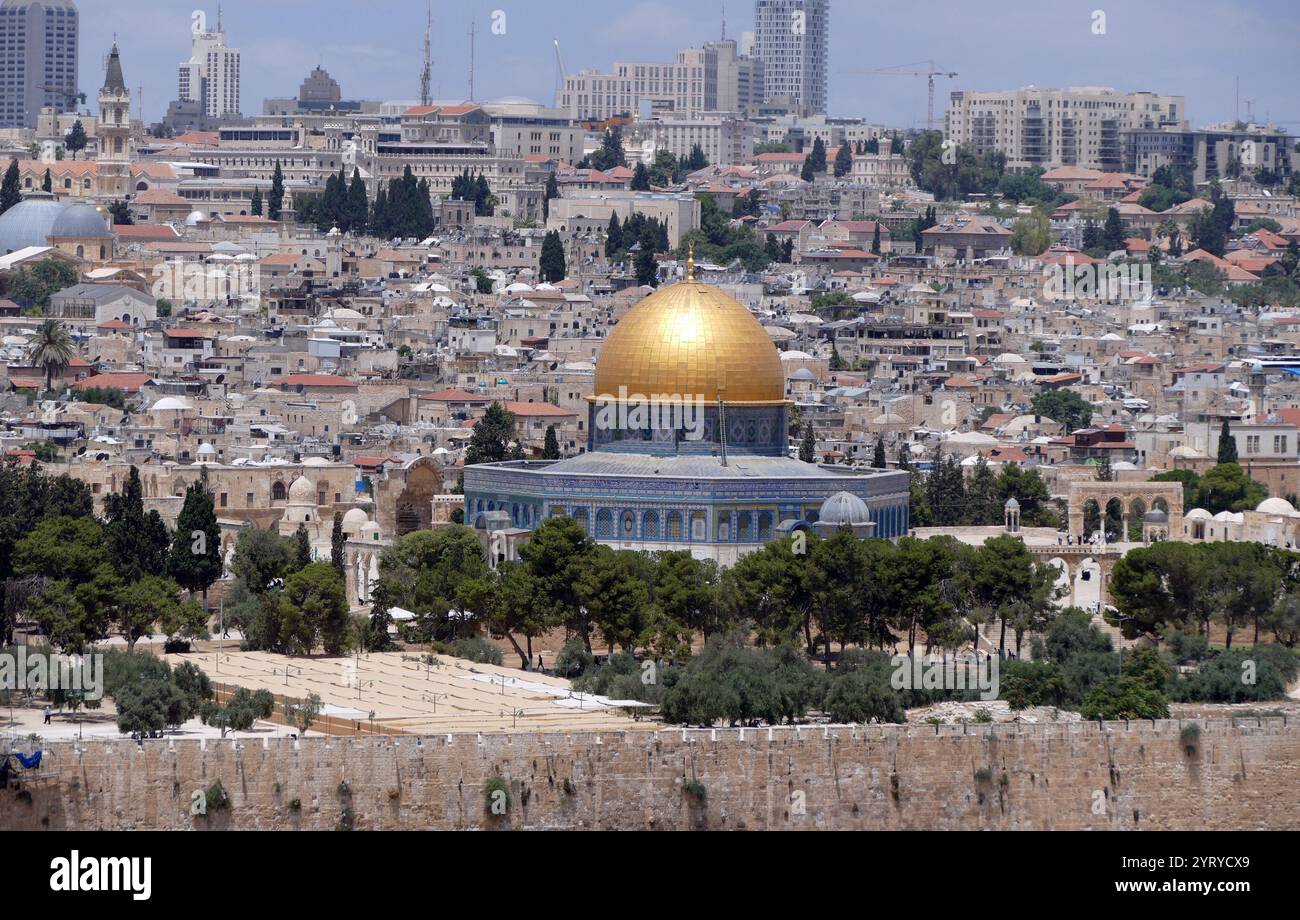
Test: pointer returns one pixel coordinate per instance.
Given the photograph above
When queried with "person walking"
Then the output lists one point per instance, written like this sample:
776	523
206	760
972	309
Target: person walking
47	715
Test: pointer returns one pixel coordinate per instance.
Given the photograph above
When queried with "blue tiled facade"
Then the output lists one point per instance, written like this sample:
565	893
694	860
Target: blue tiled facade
722	509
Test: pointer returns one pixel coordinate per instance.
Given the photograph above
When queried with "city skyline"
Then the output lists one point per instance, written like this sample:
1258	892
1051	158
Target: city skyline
281	46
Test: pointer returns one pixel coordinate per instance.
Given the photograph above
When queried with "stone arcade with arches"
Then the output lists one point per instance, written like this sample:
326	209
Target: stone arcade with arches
1156	506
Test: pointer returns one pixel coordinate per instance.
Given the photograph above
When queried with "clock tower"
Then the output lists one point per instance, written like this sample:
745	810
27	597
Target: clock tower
114	133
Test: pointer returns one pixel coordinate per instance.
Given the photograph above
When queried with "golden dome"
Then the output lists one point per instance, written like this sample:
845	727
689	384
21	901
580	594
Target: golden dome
692	340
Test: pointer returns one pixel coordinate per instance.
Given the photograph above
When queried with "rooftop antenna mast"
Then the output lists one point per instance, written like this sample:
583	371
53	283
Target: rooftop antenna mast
426	75
473	29
724	21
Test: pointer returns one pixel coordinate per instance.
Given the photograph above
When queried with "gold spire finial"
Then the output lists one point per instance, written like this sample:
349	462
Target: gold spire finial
690	260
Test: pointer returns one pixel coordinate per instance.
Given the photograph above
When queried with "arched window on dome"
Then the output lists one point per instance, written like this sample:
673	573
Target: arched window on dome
580	516
745	527
765	525
604	524
674	525
699	527
650	525
278	493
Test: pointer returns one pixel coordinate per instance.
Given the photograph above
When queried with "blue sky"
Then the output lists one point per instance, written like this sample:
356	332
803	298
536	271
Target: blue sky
1196	48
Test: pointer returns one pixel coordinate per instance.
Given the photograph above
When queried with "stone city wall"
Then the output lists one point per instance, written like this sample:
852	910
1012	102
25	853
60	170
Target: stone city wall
1141	775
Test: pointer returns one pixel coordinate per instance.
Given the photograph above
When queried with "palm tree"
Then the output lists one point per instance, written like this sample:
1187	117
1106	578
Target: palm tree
54	350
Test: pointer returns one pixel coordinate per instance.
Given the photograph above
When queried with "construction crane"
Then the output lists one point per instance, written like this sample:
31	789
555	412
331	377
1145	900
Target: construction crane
907	70
71	97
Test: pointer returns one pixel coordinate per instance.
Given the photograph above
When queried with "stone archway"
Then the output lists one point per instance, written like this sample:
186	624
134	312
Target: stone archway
413	504
1125	494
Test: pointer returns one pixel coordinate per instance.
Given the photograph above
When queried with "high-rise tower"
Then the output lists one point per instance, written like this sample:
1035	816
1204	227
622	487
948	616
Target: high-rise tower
791	40
211	76
38	59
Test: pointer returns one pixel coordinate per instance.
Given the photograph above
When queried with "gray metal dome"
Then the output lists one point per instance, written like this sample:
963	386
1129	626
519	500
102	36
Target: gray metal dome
1156	516
29	222
79	222
844	509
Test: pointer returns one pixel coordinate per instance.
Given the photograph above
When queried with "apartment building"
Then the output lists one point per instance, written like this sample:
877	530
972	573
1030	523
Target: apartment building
712	78
1046	128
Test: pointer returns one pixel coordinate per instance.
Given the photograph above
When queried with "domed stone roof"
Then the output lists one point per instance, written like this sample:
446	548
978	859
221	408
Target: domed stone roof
355	518
29	223
1275	506
844	509
80	222
692	340
1156	516
302	492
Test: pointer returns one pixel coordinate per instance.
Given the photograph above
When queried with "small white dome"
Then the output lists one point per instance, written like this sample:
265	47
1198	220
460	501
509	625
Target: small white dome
1275	506
1198	514
355	516
302	492
169	404
207	450
844	509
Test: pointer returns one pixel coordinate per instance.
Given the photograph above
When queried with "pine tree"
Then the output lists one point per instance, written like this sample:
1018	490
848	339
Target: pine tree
551	448
196	547
875	239
1227	444
552	264
76	139
808	448
338	550
10	193
275	203
492	436
47	184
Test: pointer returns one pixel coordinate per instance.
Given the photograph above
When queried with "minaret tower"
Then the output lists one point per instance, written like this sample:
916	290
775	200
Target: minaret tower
114	132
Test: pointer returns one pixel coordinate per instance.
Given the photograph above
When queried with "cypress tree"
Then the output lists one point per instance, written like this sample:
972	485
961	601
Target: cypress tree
808	448
338	552
551	449
1227	444
137	541
275	202
304	547
613	237
879	461
196	546
552	263
10	193
256	206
